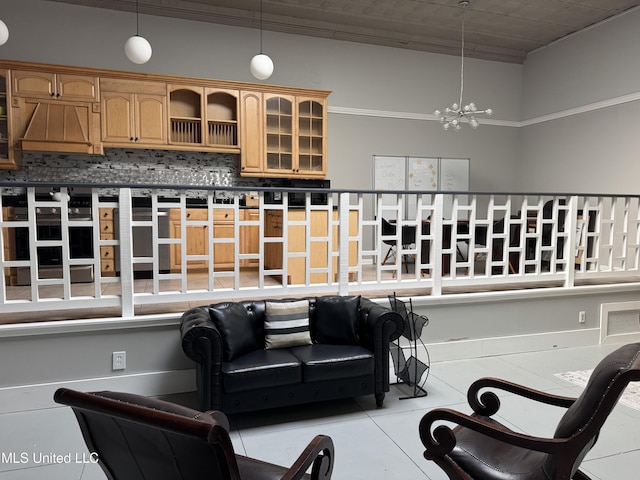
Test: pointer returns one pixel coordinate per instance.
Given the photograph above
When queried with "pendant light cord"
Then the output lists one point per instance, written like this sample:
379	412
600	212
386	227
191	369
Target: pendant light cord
137	21
260	26
462	59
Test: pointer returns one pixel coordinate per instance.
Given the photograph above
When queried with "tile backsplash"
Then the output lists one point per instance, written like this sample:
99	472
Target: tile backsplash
122	166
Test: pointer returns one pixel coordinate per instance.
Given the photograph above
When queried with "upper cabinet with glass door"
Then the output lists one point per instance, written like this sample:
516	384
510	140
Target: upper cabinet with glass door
295	130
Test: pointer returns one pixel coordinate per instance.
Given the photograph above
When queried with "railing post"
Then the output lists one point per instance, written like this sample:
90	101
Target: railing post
126	251
436	230
570	246
343	245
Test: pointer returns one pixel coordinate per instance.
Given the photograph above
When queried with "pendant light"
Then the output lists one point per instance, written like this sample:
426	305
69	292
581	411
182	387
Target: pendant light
137	48
453	116
261	65
4	33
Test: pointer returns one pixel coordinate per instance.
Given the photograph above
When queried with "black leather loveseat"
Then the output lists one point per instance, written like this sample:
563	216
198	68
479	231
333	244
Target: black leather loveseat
253	355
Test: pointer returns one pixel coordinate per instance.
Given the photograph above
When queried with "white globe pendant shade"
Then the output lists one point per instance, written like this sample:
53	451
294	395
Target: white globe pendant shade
137	49
4	33
261	66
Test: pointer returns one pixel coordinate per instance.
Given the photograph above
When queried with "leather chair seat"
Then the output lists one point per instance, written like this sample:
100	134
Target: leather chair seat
260	369
329	362
490	459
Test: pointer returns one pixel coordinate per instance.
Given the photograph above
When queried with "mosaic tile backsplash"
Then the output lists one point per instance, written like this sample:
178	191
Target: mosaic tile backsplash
132	167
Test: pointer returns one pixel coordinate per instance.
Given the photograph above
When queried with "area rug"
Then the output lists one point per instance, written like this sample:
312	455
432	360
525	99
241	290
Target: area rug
630	397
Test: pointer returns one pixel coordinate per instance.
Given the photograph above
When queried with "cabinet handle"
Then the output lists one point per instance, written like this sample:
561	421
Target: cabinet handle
188	215
53	94
131	138
57	95
136	139
226	215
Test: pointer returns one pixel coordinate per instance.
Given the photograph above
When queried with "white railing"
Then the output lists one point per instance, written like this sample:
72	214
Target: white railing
183	245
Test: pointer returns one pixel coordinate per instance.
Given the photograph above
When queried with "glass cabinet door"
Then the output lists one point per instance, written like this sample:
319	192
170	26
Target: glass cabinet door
279	126
311	136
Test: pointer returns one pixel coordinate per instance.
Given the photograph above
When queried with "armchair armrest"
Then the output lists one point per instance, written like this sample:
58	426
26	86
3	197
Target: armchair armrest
320	454
441	440
488	403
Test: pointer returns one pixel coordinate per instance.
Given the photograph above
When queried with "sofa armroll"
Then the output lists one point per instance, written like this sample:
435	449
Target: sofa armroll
202	343
378	326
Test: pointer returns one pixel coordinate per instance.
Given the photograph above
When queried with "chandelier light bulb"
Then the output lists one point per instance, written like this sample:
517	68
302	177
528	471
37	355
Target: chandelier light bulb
4	33
261	66
488	112
138	49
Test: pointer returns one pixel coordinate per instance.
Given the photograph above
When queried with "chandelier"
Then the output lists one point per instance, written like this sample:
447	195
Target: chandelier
458	112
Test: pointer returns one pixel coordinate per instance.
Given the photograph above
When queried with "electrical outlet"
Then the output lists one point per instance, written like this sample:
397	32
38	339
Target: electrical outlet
582	317
119	360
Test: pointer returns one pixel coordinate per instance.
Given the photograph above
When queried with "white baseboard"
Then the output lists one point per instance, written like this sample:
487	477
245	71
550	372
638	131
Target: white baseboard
37	396
487	347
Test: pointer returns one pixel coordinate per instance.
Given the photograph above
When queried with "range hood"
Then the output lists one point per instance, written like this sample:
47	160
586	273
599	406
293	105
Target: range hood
58	127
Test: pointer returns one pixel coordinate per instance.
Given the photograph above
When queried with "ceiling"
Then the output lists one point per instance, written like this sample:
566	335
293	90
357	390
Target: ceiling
501	30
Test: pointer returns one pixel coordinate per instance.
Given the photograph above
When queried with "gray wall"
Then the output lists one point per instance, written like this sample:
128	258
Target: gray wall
595	71
361	77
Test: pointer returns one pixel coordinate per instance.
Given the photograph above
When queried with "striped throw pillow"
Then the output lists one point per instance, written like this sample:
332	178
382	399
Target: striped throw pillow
286	324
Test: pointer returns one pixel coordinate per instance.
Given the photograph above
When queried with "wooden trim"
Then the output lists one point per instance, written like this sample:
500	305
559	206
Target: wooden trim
173	79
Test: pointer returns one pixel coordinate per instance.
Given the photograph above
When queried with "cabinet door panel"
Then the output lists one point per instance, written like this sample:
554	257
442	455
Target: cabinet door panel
33	84
150	117
77	87
252	132
116	117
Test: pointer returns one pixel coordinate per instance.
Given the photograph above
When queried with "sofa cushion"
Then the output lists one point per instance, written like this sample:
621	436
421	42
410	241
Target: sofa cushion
261	369
286	324
328	362
234	324
336	319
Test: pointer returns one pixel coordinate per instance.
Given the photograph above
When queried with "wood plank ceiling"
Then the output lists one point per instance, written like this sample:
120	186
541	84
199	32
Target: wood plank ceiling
501	30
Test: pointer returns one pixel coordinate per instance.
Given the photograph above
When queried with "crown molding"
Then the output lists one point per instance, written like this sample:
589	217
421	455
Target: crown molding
363	112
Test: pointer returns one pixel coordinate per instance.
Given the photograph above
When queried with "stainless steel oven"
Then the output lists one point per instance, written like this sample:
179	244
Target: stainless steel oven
48	258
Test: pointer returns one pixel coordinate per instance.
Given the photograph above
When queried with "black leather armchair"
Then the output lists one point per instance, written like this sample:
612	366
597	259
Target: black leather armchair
347	356
137	438
481	448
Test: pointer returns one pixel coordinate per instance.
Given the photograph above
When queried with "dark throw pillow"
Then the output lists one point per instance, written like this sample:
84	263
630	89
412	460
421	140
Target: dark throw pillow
336	320
234	324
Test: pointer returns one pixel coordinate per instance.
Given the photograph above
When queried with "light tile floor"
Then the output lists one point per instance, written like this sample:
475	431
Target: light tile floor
371	443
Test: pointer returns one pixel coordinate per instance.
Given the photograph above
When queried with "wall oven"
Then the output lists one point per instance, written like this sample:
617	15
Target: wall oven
48	258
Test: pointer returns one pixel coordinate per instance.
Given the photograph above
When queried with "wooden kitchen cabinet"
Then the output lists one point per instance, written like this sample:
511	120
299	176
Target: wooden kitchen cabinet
60	86
197	241
55	112
277	131
133	113
252	134
203	116
8	156
107	252
250	237
292	130
9	242
297	239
